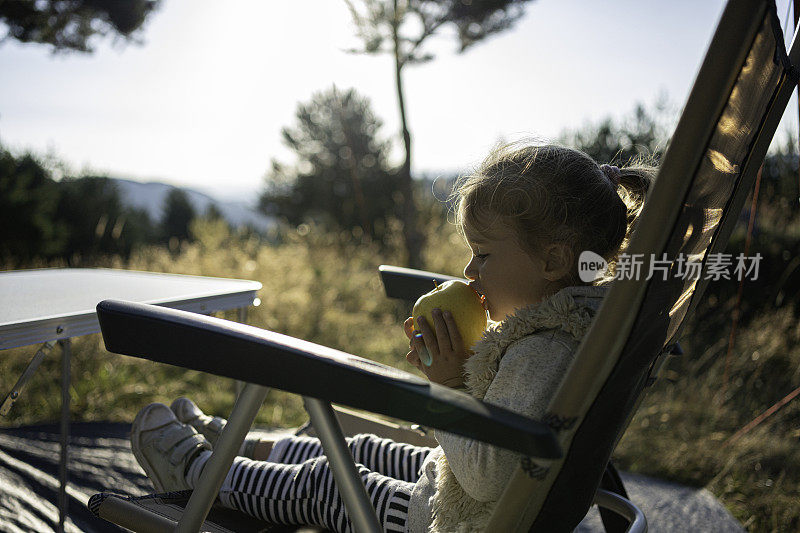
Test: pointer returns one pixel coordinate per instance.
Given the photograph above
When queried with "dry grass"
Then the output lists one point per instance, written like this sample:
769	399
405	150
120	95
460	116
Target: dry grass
682	429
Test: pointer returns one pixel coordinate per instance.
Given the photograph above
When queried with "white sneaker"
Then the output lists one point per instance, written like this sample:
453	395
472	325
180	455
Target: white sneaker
165	447
209	426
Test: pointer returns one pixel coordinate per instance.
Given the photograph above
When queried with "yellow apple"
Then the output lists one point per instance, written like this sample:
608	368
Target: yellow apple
462	301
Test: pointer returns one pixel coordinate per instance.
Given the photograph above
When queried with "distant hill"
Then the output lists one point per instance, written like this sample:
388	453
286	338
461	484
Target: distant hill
150	197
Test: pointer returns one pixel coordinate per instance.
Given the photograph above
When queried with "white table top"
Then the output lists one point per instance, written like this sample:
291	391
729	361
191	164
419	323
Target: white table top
49	304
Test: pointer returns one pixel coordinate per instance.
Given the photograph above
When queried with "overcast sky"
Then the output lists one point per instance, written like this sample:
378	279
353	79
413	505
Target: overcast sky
201	103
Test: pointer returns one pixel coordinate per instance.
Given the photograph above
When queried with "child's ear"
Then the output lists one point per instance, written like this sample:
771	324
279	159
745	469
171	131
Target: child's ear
558	261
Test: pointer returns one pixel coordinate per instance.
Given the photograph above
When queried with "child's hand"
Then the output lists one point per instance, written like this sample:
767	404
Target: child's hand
446	349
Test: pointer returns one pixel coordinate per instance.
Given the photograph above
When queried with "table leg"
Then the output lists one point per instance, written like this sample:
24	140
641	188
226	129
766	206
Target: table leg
27	374
66	353
242	318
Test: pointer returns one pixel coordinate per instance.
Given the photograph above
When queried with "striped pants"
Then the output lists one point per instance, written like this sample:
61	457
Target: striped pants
296	486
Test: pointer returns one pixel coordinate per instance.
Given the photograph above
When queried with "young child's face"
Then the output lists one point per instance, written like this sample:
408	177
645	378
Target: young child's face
508	276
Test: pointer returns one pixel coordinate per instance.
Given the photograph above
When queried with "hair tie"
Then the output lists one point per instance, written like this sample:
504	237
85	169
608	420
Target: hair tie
612	173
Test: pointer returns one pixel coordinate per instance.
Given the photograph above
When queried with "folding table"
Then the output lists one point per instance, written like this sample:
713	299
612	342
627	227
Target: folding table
53	305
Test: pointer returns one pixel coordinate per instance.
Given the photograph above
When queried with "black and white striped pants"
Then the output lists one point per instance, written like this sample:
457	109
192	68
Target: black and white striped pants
296	485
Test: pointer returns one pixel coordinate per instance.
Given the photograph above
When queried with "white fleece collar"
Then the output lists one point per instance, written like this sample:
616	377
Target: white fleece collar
571	309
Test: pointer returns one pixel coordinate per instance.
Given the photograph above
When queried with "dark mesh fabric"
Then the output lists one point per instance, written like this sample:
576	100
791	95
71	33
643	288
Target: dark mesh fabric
720	170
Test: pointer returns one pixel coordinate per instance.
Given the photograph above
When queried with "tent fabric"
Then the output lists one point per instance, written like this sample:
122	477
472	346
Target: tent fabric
99	458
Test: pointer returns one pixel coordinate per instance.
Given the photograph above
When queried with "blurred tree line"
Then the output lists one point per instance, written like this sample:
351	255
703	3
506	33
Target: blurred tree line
77	218
71	25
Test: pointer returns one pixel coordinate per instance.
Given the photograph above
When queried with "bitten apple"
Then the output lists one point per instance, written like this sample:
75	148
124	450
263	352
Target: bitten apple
462	301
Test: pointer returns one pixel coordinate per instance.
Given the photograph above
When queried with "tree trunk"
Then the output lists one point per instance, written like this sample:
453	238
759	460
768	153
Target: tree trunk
413	238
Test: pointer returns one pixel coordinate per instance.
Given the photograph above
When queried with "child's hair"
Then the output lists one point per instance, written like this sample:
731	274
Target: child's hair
553	194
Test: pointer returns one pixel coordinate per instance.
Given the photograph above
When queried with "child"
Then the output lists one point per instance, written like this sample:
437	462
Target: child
526	214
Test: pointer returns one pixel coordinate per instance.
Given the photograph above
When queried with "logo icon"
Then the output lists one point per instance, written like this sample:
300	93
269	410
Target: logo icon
590	266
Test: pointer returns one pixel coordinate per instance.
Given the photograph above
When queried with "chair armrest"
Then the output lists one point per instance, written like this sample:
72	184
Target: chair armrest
407	283
270	359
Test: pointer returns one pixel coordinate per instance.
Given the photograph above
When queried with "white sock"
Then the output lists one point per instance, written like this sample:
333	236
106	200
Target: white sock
196	468
248	445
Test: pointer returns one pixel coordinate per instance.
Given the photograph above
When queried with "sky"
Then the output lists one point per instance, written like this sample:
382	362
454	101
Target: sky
202	101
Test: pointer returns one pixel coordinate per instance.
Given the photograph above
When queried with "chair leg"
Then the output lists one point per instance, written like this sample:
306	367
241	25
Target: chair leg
612	482
244	412
348	482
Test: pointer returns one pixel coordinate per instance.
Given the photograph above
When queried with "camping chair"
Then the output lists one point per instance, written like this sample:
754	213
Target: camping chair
729	119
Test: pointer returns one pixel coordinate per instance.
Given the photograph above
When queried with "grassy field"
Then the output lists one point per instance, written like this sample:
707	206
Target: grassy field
323	288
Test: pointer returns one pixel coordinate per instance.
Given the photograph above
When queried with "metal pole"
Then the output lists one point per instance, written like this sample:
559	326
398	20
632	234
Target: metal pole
242	318
227	447
66	353
27	374
351	487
